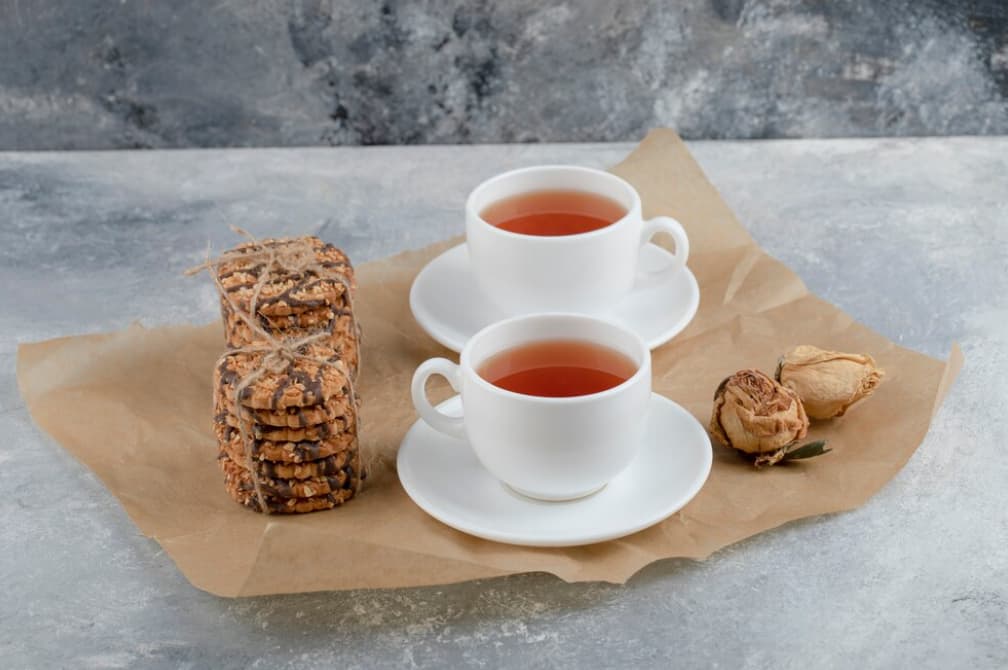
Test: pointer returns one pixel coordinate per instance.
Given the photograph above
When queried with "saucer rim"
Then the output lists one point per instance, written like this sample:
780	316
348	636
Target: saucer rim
425	322
686	495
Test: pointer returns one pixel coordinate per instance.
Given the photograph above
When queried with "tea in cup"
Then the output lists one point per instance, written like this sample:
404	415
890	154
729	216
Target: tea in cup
561	238
554	405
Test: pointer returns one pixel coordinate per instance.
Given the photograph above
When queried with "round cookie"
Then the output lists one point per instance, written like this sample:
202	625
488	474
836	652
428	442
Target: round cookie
292	287
322	467
300	382
320	431
292	417
343	334
288	505
316	318
286	452
238	476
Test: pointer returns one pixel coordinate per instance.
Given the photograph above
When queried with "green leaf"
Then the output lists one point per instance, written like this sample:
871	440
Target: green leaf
810	450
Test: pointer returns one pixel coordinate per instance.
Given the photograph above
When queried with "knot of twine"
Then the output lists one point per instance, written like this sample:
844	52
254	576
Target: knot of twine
296	257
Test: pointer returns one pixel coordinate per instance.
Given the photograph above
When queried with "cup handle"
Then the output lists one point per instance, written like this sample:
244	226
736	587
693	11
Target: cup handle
449	425
666	224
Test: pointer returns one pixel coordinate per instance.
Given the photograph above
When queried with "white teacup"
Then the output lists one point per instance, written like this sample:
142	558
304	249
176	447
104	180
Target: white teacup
544	447
586	272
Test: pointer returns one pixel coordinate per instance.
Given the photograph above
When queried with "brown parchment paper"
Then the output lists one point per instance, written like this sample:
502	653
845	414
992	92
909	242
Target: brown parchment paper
151	443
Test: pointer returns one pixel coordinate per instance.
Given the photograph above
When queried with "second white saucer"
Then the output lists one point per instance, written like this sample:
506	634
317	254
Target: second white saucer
447	304
445	479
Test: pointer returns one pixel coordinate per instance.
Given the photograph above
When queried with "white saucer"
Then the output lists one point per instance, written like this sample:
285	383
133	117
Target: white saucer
443	477
446	303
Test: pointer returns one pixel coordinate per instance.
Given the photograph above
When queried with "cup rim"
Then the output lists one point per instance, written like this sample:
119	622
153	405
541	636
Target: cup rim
643	368
470	207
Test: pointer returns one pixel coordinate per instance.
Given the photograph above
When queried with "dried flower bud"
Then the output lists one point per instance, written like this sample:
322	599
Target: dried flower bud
828	382
756	415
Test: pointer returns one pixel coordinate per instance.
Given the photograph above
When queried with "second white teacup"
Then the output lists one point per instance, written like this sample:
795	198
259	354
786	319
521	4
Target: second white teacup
585	272
551	448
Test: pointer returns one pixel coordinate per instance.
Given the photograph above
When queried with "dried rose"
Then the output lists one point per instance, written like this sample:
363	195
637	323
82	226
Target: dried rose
828	382
759	417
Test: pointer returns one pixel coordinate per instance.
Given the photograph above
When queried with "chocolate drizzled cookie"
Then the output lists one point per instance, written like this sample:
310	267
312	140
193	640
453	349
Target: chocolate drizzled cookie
241	479
288	451
320	467
292	417
281	505
308	274
315	375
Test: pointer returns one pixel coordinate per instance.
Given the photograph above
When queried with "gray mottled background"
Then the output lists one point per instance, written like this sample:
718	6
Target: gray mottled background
146	73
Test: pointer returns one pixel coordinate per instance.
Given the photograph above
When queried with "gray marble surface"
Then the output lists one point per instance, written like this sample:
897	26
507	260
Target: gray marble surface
93	74
910	236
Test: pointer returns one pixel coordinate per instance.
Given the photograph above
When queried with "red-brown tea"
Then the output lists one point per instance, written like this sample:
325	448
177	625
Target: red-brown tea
557	368
553	213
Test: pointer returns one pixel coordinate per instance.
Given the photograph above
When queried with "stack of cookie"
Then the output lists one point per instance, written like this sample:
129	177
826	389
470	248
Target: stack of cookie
289	426
308	290
285	409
